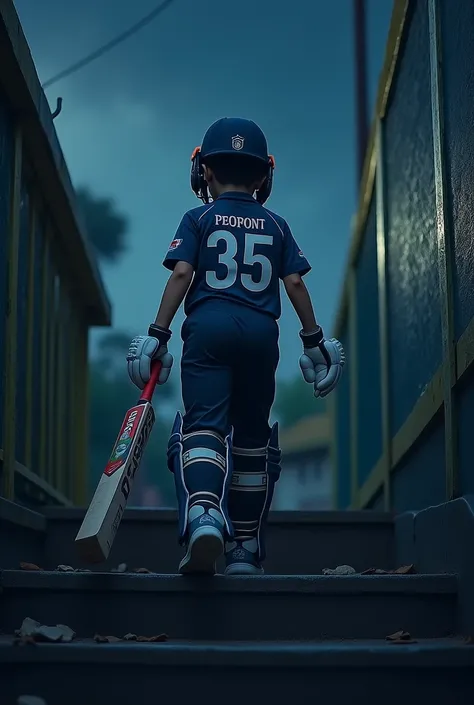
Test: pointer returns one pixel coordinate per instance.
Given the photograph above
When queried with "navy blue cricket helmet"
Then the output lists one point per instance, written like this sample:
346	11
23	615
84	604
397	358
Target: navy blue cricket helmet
231	136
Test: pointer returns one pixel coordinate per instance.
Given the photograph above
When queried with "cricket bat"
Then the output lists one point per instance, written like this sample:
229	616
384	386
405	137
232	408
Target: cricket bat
102	520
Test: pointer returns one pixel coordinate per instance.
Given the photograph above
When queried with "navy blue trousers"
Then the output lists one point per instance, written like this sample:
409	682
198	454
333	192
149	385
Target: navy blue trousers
228	367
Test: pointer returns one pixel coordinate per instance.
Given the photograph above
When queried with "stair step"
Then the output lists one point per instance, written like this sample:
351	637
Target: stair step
297	542
248	608
437	671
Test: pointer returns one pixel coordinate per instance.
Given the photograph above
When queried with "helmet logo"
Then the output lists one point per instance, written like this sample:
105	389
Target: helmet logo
238	142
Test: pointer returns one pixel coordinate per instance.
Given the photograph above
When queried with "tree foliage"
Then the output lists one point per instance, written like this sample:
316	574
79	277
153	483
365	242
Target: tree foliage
295	401
111	394
106	227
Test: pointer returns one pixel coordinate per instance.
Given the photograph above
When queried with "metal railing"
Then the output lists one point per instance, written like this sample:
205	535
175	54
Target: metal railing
51	294
402	412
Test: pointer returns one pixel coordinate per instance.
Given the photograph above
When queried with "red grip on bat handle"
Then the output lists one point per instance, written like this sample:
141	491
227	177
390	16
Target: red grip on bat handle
149	389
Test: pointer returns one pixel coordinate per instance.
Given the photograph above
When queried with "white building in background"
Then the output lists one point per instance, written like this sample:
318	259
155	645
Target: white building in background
306	480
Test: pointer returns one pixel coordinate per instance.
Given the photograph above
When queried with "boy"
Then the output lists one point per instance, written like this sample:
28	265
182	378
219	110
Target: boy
227	258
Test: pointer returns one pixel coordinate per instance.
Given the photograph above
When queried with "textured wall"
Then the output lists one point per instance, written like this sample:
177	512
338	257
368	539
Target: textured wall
465	397
414	253
6	152
420	479
458	75
368	352
413	286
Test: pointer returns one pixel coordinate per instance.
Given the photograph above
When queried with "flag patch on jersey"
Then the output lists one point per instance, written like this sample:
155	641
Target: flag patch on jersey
174	245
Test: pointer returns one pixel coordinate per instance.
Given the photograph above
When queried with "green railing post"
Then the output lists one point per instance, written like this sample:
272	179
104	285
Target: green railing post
30	323
9	454
354	385
445	254
332	404
44	357
81	470
383	316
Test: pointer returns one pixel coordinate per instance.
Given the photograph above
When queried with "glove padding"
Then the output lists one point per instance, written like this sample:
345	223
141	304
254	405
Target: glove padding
323	368
143	349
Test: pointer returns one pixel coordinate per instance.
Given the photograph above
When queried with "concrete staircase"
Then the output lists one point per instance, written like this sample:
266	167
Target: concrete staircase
293	634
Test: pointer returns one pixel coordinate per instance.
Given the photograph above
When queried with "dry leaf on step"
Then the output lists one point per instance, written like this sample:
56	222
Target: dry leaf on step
106	639
29	566
340	570
401	637
121	568
42	632
156	638
405	570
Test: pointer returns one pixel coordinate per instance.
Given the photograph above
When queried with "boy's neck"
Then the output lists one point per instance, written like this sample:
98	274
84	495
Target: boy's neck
232	187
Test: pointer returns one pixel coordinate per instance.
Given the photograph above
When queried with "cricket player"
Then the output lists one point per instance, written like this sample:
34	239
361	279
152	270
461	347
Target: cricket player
227	258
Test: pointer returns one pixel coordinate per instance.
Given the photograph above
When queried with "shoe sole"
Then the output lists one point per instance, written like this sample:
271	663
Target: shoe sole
205	547
243	569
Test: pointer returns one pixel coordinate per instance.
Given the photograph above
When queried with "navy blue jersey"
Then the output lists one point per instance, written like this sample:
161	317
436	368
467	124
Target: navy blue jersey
239	251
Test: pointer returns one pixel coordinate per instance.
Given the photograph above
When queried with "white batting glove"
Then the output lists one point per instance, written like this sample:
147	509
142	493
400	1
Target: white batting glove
145	348
322	362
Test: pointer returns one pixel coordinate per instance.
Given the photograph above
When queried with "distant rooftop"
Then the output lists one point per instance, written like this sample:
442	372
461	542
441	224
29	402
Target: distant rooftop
310	433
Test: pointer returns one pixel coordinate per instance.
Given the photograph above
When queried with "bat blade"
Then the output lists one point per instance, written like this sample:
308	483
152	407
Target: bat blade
102	520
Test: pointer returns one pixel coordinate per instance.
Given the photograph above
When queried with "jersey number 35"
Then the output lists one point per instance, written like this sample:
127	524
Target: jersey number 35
227	258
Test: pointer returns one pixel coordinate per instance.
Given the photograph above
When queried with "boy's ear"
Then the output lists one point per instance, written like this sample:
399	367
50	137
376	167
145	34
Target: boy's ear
207	173
258	184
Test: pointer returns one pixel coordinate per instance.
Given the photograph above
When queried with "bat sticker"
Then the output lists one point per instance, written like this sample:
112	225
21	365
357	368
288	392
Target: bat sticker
122	445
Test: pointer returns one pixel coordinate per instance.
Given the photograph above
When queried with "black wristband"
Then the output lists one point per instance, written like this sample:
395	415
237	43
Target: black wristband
161	334
313	339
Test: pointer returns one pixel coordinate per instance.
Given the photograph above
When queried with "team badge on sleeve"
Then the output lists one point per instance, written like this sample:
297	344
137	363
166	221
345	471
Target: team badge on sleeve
301	254
174	245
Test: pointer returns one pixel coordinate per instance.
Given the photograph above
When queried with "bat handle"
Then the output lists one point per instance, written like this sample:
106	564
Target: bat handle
149	389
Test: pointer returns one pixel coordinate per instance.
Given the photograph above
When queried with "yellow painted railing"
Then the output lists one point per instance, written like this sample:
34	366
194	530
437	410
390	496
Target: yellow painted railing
437	402
51	294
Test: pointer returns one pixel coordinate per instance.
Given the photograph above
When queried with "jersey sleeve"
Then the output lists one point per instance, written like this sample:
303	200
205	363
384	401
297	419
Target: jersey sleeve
185	245
293	260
